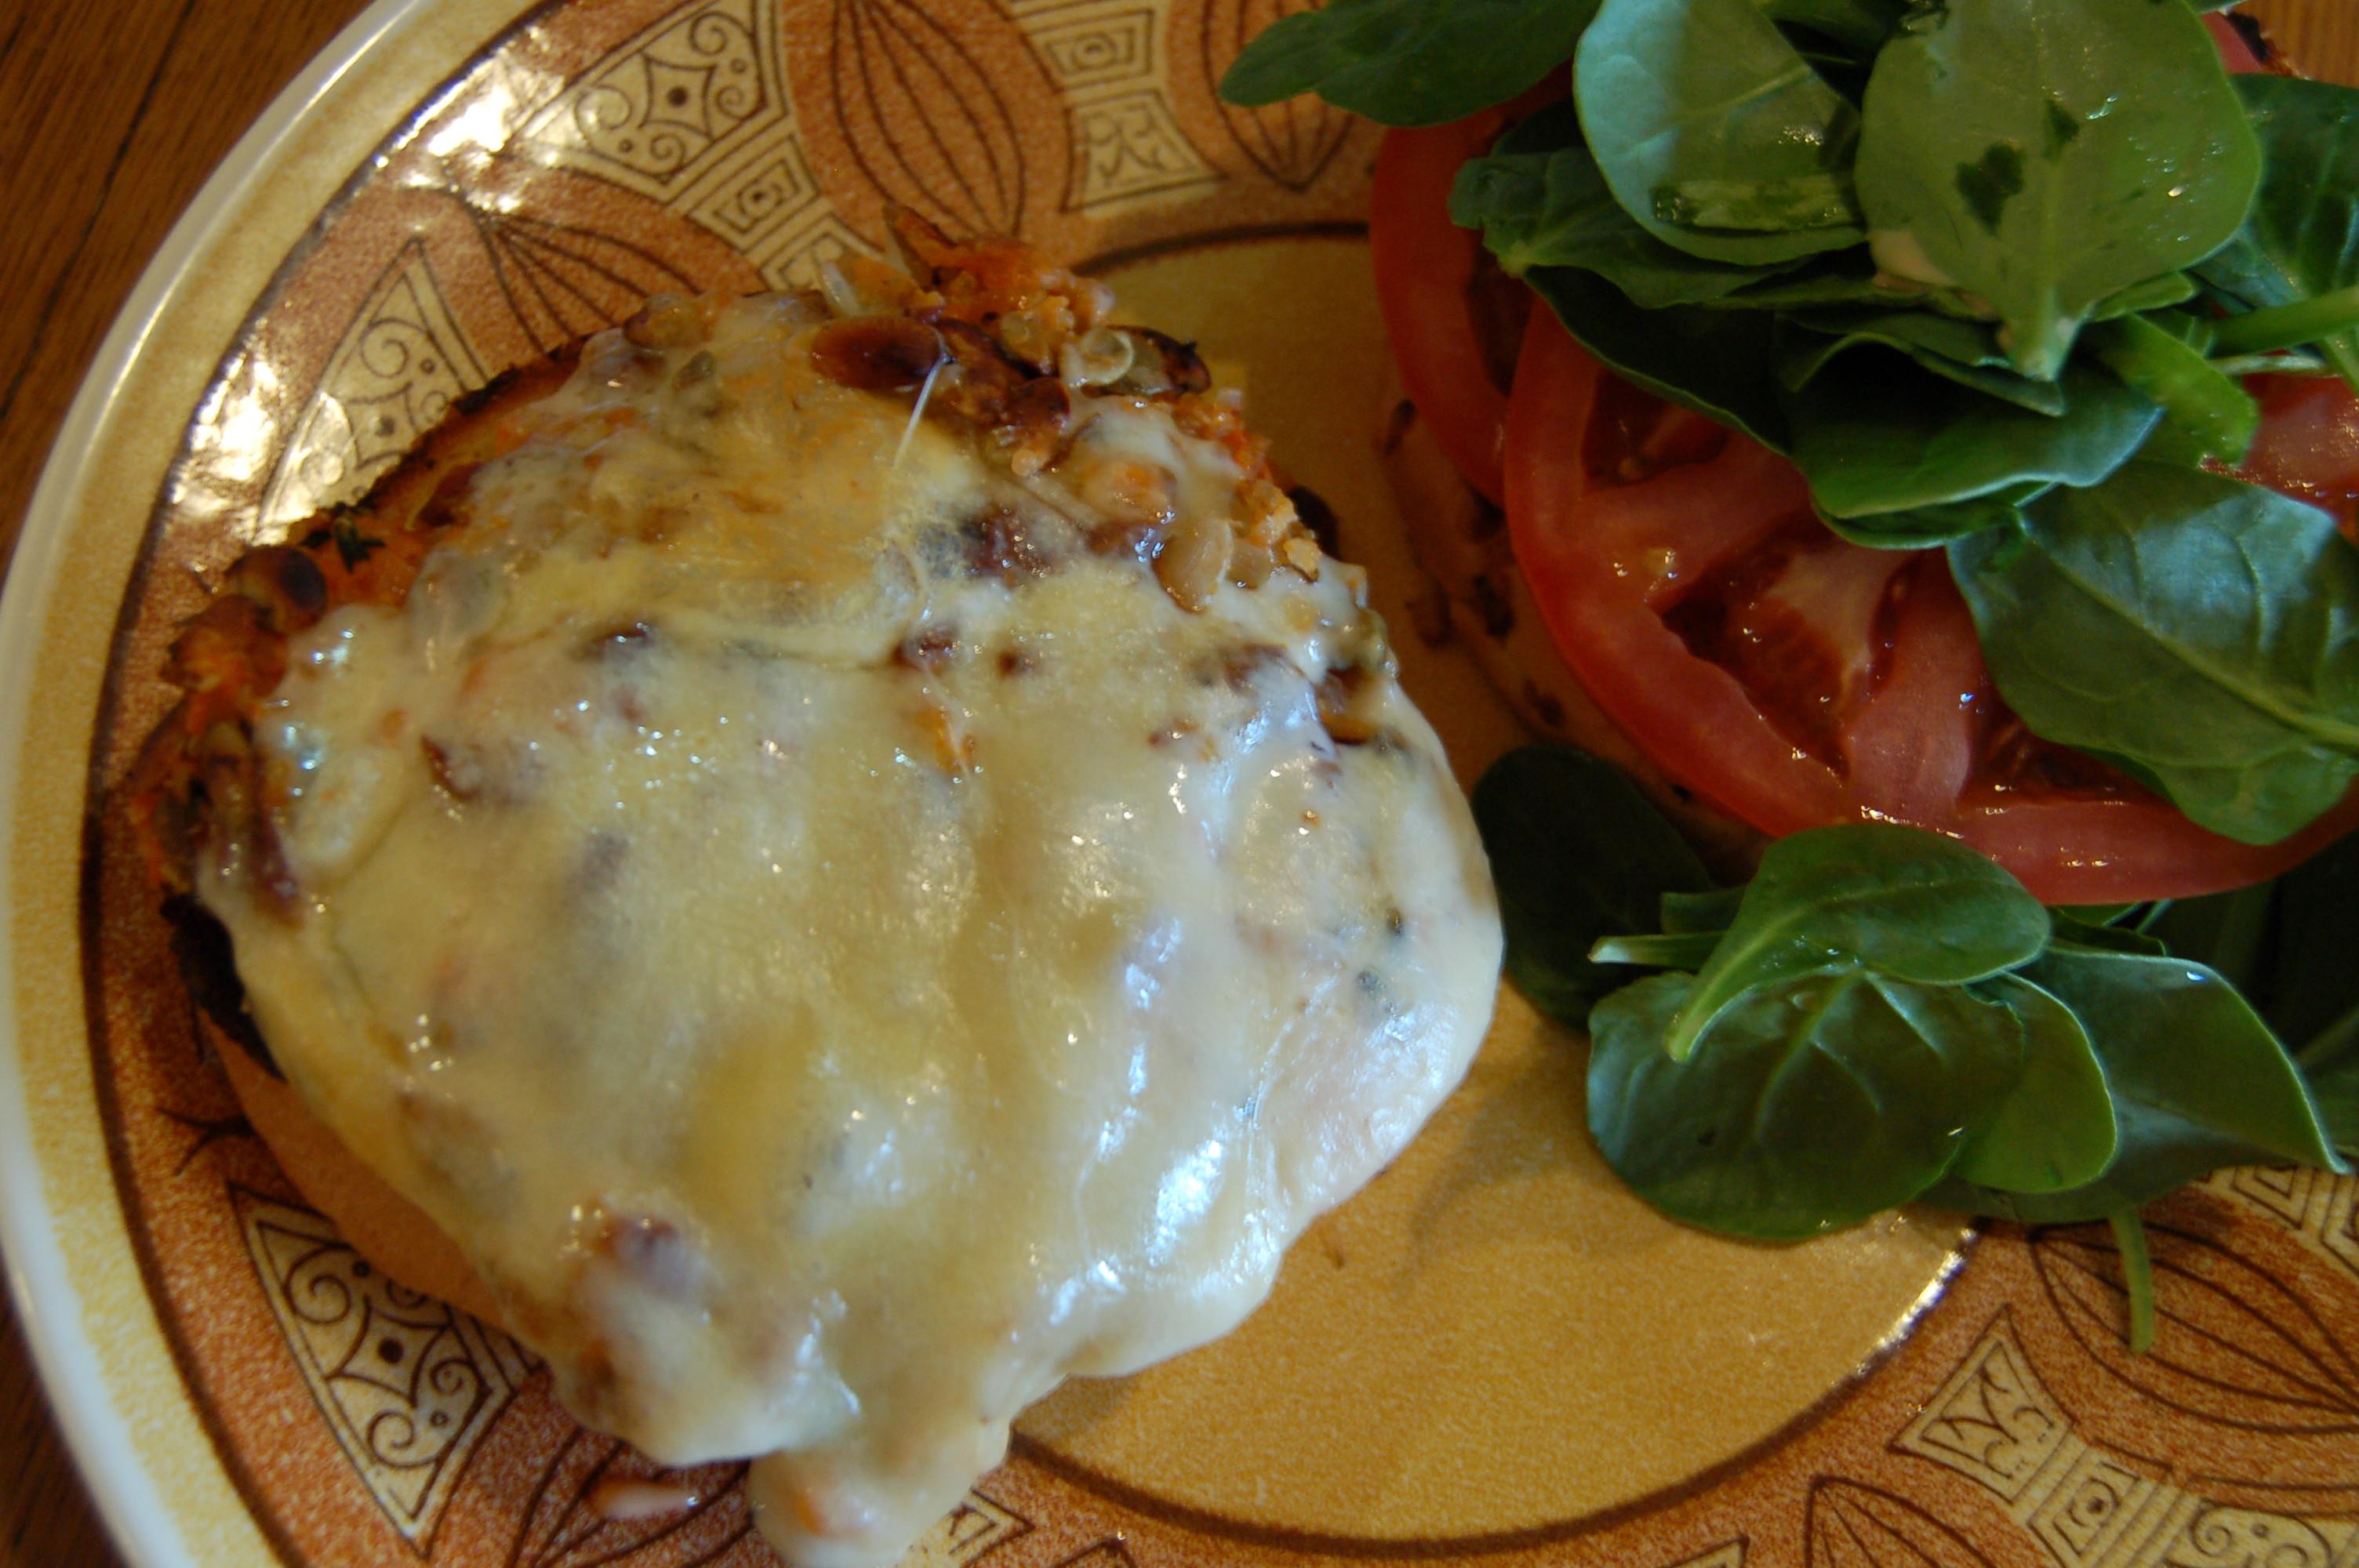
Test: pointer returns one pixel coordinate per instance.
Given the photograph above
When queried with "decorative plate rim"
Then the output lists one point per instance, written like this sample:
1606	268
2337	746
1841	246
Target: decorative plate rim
64	1352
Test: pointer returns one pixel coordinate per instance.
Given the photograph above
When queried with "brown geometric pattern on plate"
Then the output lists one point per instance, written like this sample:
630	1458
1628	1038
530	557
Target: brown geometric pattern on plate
1729	1554
402	362
1849	1524
1292	142
2323	1209
1113	60
692	112
2250	1393
1998	1425
408	1384
942	107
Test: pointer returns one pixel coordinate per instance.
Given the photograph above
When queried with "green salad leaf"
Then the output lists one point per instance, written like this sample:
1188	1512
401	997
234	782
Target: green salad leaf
2218	418
2055	1128
2330	1064
1859	26
2003	151
1895	902
1887	437
1409	62
1812	1103
2301	238
2198	1083
1579	855
1714	133
2307	983
1920	527
1964	352
1720	363
2201	633
1541	200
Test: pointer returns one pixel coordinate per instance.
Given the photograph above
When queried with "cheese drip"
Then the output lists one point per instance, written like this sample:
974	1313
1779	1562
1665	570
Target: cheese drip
839	952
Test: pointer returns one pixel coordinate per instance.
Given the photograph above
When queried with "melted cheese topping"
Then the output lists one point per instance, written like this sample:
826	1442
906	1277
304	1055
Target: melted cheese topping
835	973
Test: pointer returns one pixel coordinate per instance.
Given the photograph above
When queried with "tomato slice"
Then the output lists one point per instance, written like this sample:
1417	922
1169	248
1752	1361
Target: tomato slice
2234	52
1795	679
1454	317
2308	443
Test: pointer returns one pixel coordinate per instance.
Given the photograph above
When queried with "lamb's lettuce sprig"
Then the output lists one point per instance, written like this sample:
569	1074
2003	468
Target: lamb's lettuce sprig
1990	272
1882	1015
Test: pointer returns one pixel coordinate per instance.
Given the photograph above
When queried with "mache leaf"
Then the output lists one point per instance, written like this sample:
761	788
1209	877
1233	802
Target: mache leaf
1691	104
1859	25
1720	364
2197	1079
2200	632
2309	984
1886	436
2044	156
1578	853
2055	1128
1409	62
1966	352
1540	201
1808	1107
1922	527
1899	902
2218	417
2301	237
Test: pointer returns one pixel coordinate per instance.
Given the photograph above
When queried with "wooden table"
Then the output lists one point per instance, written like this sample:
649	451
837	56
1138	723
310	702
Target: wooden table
111	113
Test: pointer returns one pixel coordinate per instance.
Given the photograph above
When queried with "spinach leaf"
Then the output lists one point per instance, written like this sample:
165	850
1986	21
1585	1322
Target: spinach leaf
2001	141
1809	1106
1861	27
2301	237
1540	201
2094	913
2227	932
2330	1064
2219	416
1899	902
2106	939
1714	133
1578	853
2055	1127
1719	363
2312	979
1966	352
1924	526
1885	438
1409	62
2154	294
2198	1083
1690	951
1687	913
2203	632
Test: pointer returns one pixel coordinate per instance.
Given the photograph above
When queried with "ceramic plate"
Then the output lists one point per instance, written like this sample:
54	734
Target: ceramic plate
1494	1354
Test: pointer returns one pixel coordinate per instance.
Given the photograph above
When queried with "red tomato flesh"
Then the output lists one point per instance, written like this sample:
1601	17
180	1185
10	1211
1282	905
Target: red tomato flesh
1453	318
1795	679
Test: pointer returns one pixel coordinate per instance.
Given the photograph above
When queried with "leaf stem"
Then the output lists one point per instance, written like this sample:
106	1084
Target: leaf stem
2137	1276
2242	365
2211	408
1678	951
2289	325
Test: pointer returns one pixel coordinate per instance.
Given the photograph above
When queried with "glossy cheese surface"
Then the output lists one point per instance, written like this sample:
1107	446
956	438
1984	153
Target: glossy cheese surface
835	942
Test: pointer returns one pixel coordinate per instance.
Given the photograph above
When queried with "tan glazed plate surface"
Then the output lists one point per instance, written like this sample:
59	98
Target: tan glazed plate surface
1494	1354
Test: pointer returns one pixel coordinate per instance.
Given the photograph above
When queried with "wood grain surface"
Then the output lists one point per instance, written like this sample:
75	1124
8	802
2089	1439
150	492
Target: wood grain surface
112	114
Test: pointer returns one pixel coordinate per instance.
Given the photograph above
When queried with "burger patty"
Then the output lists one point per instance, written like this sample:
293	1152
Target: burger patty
850	852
